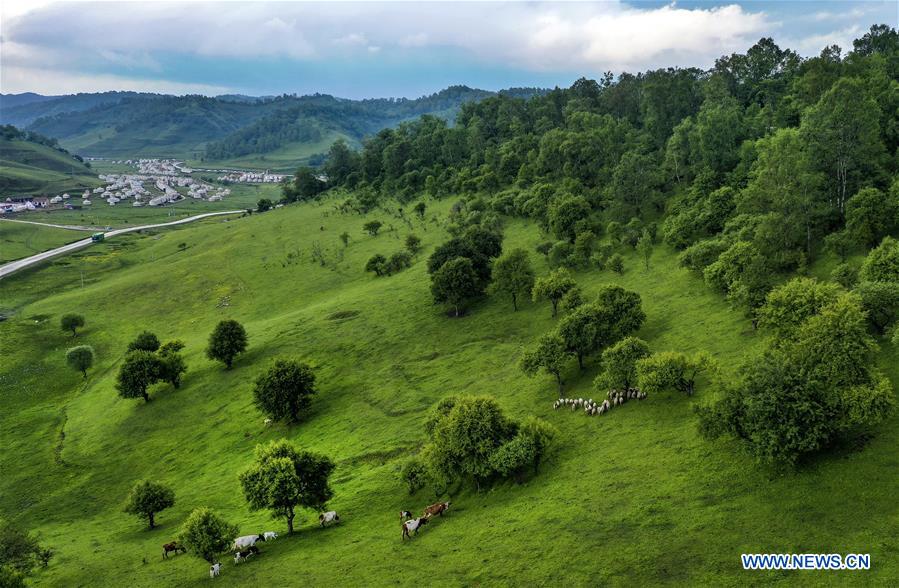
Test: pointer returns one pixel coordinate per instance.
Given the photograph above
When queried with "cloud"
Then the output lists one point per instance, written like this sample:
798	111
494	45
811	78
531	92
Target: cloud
813	44
54	81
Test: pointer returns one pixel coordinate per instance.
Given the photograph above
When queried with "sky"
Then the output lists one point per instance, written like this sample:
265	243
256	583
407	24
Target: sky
391	49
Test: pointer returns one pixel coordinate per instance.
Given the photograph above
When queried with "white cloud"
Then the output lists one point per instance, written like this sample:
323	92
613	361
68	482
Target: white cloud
53	81
813	44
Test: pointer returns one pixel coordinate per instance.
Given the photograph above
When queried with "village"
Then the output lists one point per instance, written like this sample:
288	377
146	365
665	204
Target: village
155	182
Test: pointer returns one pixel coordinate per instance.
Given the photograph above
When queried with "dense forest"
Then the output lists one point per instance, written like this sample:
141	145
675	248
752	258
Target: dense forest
753	170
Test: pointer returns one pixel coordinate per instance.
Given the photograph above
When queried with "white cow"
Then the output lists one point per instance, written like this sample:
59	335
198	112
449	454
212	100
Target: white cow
215	569
270	535
246	541
412	526
328	517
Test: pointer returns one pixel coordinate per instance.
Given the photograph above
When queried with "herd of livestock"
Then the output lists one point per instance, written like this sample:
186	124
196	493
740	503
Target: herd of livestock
614	398
246	546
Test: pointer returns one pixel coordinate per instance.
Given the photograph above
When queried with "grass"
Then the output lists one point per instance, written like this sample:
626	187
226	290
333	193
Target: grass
285	159
631	498
31	168
18	240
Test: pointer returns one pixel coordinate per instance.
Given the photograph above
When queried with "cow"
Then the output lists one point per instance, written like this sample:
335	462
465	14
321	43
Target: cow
405	515
269	535
174	546
411	526
246	541
436	509
215	569
328	517
242	555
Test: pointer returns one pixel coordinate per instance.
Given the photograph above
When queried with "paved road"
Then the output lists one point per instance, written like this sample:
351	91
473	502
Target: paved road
15	266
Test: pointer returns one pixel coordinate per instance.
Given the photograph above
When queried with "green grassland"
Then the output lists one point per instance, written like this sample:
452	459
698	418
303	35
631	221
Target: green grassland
18	240
31	168
632	498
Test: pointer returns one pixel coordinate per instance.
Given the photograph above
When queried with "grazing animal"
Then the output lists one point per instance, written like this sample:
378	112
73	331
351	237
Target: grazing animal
268	422
270	535
436	509
246	541
215	569
174	546
242	555
328	517
411	526
405	515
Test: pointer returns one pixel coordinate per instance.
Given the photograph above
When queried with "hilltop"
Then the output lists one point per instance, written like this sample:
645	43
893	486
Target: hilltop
33	164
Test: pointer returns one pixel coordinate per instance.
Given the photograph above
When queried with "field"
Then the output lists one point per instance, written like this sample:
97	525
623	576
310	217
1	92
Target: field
18	240
282	160
632	498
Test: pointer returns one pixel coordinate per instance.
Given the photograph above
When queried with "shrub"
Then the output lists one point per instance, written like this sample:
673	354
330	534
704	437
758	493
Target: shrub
414	474
616	263
146	341
207	534
71	322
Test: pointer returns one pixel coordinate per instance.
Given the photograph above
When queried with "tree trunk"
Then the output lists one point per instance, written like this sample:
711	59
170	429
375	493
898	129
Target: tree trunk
559	381
152	520
145	395
555	305
580	360
290	516
514	302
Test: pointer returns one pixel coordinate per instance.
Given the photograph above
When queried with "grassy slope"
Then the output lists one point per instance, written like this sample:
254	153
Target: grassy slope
284	160
19	240
30	168
631	498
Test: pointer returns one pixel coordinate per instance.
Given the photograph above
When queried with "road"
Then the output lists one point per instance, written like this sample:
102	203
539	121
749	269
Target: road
14	266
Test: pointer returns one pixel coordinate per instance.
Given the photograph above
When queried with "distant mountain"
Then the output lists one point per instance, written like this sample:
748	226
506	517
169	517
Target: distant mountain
22	112
33	164
277	132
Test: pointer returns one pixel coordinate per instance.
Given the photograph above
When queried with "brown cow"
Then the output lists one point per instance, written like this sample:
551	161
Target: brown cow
174	546
436	509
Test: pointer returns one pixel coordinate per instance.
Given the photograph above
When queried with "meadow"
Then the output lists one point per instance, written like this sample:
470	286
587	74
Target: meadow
632	498
18	240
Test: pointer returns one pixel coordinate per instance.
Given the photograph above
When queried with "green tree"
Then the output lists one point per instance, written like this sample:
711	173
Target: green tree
845	275
263	205
341	165
513	275
306	185
454	283
413	243
172	364
398	262
882	263
227	340
616	263
147	499
146	341
881	301
419	209
81	358
71	322
565	213
579	330
788	306
207	534
376	263
644	248
285	390
621	313
583	247
138	371
372	227
20	553
284	479
871	215
553	287
548	353
345	238
619	364
671	370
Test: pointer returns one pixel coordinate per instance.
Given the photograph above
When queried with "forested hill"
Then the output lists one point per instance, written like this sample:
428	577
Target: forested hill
121	124
33	164
23	109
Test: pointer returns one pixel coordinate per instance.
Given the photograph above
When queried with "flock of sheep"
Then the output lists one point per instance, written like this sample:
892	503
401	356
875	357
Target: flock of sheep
592	408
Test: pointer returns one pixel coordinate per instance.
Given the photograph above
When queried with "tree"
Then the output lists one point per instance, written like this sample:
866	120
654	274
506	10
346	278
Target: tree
147	499
419	209
285	390
871	215
671	370
413	243
263	205
621	313
619	364
398	262
579	329
550	354
20	553
882	263
455	282
139	371
881	301
565	213
644	248
616	263
71	322
207	534
284	479
306	185
172	364
788	306
146	341
376	263
345	238
464	439
553	287
81	358
513	275
372	227
227	340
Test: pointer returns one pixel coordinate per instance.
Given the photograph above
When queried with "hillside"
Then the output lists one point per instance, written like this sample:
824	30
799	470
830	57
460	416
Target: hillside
31	167
664	506
23	109
250	131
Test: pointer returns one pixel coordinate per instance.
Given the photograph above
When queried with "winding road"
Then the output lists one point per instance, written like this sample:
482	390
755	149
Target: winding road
14	266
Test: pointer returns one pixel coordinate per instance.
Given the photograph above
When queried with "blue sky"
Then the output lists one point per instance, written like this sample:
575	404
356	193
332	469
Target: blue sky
377	49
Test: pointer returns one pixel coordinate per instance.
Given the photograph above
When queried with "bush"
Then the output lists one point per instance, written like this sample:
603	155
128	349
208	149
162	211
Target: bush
71	322
377	263
398	262
616	263
146	341
414	474
206	534
372	227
